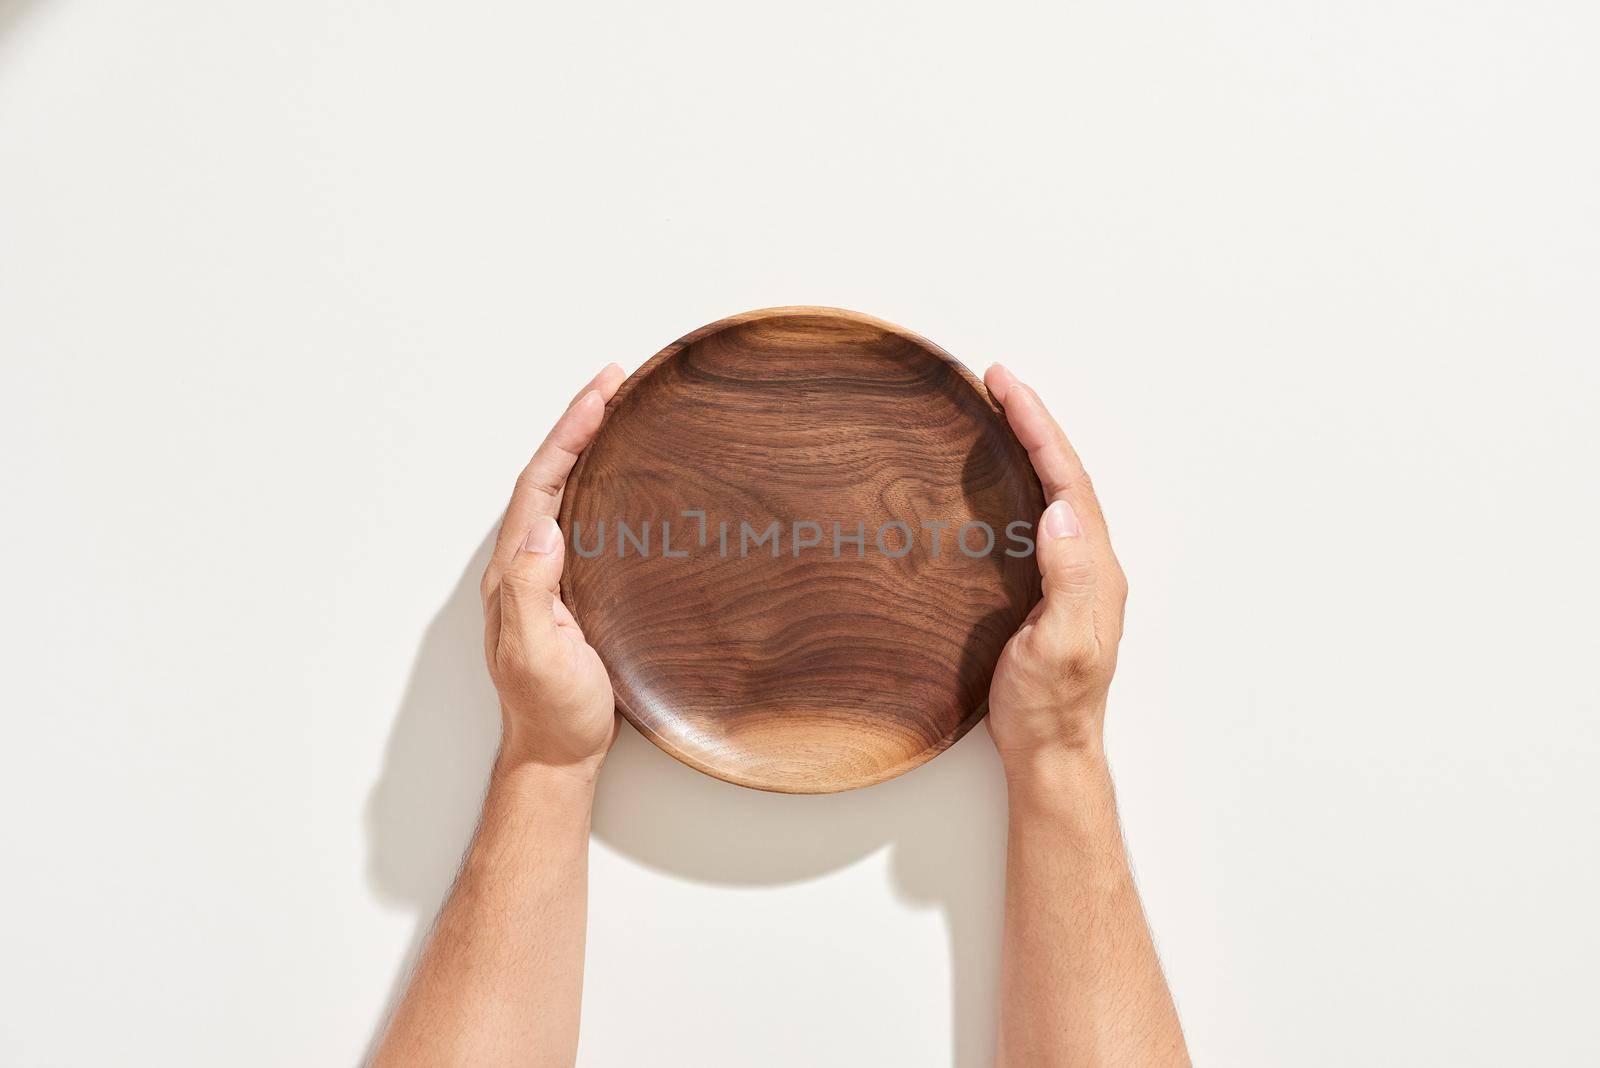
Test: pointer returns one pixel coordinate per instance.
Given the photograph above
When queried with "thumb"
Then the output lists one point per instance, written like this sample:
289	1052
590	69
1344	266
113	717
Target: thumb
529	586
1067	572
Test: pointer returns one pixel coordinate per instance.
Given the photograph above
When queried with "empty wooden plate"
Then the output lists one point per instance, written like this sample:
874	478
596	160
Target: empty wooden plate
799	543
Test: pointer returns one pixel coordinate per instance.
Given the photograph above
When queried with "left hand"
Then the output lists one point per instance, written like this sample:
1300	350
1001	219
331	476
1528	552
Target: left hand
556	705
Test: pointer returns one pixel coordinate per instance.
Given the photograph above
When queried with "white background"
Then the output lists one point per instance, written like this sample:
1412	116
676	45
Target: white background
289	290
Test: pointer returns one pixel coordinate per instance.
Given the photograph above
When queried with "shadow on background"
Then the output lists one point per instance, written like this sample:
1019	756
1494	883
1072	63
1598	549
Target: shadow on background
13	13
945	821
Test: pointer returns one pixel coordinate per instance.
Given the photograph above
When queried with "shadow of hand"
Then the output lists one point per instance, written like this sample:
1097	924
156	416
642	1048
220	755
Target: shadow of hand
945	821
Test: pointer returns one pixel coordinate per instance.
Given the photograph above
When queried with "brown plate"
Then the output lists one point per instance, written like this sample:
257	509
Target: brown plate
797	660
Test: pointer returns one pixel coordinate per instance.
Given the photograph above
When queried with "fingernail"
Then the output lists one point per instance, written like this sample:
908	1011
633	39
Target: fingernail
1059	521
545	537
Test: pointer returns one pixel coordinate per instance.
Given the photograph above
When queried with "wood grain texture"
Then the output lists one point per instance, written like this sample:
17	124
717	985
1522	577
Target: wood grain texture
832	668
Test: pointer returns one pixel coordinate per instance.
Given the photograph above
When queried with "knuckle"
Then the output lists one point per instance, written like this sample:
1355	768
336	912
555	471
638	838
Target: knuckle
537	482
1079	663
1071	577
516	585
515	663
1072	655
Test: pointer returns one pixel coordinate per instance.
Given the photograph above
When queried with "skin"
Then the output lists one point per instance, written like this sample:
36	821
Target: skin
1079	982
500	978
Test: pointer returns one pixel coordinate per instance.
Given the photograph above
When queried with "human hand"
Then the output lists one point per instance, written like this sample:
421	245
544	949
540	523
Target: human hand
1048	695
556	705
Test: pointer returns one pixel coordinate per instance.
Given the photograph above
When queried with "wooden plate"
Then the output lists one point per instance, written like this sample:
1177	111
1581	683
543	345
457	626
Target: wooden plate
824	666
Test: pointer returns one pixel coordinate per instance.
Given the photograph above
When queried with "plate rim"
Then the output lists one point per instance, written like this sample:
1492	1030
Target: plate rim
643	371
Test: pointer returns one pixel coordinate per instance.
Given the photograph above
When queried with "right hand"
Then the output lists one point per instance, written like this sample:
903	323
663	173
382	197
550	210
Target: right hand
1048	696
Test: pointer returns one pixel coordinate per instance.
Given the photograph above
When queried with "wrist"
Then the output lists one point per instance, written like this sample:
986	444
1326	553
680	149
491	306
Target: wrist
523	746
557	785
1058	777
529	810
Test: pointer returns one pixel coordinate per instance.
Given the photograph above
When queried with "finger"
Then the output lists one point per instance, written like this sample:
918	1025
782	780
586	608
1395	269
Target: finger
999	379
546	473
610	377
539	487
1070	575
528	593
1055	461
541	482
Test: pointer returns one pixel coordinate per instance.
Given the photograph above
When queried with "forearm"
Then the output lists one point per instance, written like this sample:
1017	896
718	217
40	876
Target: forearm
1080	983
501	977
